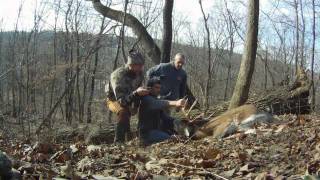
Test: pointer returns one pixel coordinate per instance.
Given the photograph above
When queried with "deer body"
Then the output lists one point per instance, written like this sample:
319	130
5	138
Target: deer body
237	119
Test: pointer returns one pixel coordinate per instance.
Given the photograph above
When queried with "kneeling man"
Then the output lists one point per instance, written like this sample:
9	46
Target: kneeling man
155	125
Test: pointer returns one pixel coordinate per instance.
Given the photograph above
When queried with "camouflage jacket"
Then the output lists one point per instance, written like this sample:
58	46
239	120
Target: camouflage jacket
122	85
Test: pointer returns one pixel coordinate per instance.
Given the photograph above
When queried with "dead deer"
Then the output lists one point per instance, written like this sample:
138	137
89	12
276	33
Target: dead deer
237	119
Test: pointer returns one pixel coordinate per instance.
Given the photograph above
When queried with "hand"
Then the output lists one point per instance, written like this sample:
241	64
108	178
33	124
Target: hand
180	102
142	91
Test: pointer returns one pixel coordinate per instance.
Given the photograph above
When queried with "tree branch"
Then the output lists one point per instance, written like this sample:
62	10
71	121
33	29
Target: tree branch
151	48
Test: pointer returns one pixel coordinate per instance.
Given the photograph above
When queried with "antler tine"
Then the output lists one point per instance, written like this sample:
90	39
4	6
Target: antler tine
192	106
183	109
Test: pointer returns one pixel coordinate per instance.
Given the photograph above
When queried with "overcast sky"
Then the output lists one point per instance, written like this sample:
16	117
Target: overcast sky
9	9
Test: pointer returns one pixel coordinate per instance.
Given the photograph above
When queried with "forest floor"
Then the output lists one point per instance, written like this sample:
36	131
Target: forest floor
288	149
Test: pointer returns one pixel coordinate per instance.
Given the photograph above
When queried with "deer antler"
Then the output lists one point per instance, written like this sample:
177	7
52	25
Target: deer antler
192	106
186	113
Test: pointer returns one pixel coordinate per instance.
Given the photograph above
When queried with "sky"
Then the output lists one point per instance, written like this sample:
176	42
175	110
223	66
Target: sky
189	9
9	9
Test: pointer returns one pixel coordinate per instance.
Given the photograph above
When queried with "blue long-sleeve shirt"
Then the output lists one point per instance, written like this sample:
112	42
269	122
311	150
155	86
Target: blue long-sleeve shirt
151	114
173	81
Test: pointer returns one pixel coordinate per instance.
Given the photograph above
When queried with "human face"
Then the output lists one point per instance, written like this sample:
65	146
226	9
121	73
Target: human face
136	68
155	89
178	62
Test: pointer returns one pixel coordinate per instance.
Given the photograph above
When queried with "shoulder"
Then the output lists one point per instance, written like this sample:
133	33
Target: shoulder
120	72
163	65
166	65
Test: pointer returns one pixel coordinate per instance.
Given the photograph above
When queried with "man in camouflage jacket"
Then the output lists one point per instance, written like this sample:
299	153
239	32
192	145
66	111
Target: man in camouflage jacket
124	91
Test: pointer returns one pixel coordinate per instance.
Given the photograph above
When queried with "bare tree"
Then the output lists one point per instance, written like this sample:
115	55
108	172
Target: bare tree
153	51
241	91
96	59
296	4
313	96
167	31
209	68
303	32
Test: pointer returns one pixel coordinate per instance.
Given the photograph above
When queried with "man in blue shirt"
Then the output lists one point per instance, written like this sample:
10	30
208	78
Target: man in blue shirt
154	125
173	78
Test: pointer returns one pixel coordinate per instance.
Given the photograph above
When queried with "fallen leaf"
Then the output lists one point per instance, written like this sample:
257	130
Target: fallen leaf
251	131
100	177
244	168
40	157
67	170
229	173
208	163
262	176
281	128
84	164
211	153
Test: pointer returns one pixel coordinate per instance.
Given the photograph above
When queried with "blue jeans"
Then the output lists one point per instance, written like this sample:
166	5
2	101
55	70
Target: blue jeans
155	136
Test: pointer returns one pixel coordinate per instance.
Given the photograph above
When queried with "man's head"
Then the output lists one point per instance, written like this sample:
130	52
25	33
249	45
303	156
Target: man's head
154	85
179	60
135	61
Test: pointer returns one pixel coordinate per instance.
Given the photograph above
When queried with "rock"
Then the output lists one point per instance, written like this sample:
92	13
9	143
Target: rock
5	166
91	134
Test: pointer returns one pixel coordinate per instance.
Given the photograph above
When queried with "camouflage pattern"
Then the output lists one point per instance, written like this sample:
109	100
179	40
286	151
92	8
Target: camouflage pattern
121	88
123	83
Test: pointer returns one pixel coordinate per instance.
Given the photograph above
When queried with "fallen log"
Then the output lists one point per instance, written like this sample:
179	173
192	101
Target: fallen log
292	99
90	134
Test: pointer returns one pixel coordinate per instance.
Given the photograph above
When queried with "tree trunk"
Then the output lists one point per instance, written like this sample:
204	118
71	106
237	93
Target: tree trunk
209	69
265	70
77	38
313	96
297	35
241	91
96	60
167	31
303	32
227	83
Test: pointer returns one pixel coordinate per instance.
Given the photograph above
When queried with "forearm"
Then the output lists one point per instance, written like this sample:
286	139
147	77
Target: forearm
172	103
126	100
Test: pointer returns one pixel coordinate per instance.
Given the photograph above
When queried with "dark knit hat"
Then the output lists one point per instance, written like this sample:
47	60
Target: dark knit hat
135	57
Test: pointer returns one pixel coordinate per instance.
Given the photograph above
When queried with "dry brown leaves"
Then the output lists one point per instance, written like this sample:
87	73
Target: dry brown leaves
288	149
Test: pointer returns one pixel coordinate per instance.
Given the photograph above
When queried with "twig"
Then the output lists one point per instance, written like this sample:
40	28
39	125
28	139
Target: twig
119	164
201	169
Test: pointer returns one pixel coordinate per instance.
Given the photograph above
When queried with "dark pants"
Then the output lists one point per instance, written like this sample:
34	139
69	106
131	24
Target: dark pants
122	129
154	136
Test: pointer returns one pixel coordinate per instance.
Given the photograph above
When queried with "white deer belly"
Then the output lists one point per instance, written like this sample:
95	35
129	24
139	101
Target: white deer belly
247	123
260	118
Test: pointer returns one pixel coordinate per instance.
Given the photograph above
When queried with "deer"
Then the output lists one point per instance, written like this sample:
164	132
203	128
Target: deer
241	118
